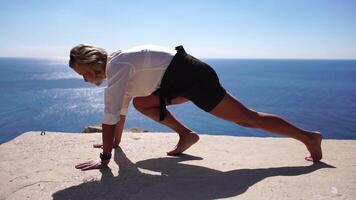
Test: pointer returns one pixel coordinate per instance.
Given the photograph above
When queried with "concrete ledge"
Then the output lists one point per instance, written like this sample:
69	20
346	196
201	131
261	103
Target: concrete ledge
35	166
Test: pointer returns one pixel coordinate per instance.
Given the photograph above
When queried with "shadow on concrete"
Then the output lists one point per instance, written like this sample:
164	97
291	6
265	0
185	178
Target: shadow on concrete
174	180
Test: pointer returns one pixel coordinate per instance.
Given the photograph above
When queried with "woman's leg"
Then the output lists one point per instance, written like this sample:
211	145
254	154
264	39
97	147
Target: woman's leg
149	106
232	110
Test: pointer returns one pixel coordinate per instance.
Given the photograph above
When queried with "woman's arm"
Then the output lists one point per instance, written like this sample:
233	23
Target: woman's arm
118	130
108	139
118	133
112	136
109	133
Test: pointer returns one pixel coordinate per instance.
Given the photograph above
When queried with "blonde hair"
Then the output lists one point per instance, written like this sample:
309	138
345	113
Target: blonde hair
93	57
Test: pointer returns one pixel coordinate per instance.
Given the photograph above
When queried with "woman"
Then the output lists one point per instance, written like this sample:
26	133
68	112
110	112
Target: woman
153	77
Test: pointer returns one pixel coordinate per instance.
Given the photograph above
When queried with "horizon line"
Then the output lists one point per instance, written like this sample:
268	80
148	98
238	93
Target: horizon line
202	58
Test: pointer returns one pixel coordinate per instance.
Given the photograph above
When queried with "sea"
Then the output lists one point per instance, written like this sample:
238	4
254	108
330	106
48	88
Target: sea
46	95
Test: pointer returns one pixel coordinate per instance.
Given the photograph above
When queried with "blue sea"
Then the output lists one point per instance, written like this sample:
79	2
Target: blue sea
320	95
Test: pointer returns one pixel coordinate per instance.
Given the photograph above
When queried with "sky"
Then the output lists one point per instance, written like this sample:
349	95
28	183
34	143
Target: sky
322	29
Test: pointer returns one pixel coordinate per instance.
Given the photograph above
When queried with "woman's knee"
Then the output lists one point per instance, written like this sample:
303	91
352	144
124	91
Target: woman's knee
141	103
137	103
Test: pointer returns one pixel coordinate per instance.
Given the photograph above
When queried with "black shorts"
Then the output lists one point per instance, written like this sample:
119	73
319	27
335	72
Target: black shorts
193	79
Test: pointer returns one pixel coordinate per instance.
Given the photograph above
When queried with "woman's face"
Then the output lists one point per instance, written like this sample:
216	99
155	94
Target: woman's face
88	74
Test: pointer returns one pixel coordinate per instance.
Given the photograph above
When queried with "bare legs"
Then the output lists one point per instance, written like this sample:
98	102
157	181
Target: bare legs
149	106
231	109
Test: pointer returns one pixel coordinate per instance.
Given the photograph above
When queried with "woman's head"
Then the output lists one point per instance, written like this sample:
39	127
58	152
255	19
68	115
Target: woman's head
89	61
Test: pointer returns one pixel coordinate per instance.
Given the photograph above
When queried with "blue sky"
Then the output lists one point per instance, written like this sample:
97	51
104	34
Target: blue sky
207	28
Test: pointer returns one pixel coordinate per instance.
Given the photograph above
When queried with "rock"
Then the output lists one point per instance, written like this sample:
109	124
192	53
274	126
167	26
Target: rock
93	129
136	130
99	129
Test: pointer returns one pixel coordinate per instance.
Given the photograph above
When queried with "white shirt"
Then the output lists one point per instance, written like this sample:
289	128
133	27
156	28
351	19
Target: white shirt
134	72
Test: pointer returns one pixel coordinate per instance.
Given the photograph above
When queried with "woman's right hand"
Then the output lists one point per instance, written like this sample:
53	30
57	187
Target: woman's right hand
92	164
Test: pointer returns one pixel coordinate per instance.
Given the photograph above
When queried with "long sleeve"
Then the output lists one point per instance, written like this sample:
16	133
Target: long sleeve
125	104
115	94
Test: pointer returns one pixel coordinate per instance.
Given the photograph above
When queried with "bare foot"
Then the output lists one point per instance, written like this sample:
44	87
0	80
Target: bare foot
314	147
101	146
184	143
